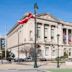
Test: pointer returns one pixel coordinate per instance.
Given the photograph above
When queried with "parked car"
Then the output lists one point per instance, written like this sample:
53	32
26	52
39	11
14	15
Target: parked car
43	59
28	59
19	60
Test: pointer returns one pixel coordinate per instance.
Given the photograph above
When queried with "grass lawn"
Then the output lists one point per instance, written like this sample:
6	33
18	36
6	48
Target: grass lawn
60	70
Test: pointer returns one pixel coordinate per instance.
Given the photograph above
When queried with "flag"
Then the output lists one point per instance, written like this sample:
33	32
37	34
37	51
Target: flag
26	19
30	16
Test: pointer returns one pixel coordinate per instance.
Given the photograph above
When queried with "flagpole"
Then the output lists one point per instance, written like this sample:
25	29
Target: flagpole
35	54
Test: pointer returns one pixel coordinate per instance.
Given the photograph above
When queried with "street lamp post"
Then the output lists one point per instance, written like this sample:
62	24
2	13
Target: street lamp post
58	51
35	54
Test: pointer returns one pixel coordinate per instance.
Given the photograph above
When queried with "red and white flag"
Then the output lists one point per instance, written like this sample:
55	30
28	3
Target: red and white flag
26	19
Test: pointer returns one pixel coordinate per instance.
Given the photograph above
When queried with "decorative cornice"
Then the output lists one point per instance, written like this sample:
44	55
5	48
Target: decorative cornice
60	45
38	17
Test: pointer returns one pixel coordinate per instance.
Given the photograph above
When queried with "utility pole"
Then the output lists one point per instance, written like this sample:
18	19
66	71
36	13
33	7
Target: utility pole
35	54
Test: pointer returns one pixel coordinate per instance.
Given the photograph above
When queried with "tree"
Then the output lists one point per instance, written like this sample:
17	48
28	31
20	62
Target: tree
9	54
26	51
65	55
62	57
31	52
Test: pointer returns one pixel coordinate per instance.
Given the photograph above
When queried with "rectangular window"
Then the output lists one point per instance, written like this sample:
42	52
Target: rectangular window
38	30
64	36
64	49
69	51
69	36
46	51
53	53
65	52
30	35
52	32
46	31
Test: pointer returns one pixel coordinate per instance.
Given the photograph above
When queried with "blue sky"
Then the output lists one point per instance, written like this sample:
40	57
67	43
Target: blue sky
13	10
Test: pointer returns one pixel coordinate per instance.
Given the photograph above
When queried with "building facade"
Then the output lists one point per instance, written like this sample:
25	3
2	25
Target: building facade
21	38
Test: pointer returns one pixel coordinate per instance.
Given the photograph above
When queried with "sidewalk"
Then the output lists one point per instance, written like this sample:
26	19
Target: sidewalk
29	65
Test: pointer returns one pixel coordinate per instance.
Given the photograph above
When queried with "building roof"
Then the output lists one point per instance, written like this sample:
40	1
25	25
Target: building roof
40	16
50	15
13	28
16	24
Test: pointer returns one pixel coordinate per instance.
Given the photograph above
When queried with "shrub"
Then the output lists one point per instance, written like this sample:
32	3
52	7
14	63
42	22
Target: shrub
65	55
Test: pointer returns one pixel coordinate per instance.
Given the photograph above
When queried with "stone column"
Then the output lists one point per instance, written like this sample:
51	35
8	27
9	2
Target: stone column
60	32
42	30
49	32
55	35
50	41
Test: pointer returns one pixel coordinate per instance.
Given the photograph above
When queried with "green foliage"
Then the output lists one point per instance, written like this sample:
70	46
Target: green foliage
62	57
65	55
60	70
9	54
2	55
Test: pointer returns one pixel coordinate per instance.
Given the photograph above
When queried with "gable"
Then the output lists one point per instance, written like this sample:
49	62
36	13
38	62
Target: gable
48	17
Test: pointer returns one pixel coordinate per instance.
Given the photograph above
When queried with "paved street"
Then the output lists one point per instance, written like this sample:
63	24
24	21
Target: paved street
28	67
25	70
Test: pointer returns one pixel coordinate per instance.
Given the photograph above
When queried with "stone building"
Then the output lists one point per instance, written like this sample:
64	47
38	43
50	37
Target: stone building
22	37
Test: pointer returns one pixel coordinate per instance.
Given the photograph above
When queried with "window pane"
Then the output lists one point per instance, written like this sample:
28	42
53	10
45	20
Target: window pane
46	51
45	31
38	30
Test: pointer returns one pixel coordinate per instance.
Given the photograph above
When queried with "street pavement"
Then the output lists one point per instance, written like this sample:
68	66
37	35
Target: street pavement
5	66
29	66
25	70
